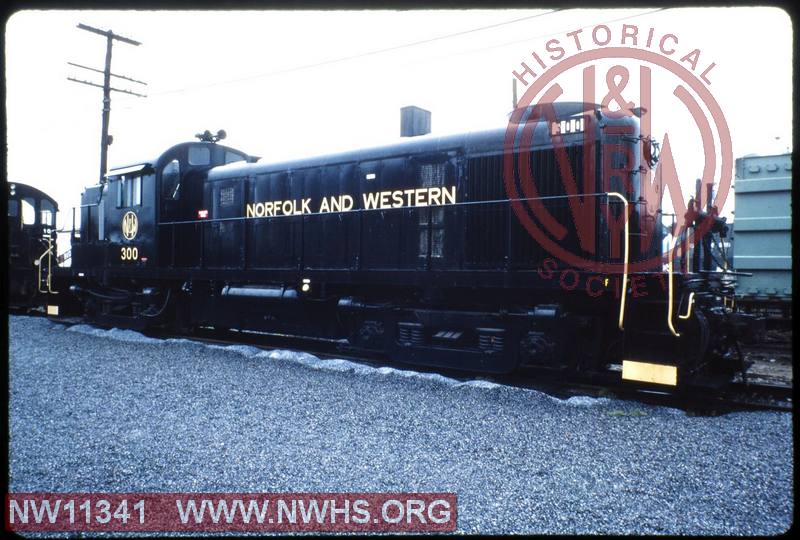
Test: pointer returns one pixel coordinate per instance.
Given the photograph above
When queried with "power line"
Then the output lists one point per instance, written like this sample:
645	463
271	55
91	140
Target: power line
101	71
560	32
506	44
103	86
388	49
354	56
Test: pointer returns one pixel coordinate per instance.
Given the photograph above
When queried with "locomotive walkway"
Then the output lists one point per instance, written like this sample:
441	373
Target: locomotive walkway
94	410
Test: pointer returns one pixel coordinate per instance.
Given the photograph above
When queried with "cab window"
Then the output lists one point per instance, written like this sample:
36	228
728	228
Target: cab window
28	211
230	157
48	214
129	191
199	155
137	190
13	208
171	180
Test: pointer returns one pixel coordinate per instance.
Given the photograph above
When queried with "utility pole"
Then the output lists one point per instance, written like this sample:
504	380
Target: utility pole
106	139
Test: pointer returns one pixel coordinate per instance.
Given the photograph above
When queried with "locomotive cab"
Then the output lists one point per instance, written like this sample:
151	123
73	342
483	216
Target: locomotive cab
31	233
179	178
180	196
126	221
117	220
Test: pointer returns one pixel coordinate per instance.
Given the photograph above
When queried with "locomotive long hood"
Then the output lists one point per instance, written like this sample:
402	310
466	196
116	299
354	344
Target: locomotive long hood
475	142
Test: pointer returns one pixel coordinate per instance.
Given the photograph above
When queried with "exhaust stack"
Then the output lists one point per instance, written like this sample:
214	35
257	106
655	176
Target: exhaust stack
414	121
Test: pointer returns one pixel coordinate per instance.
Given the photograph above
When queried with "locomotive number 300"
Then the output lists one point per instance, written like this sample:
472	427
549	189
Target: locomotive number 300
128	253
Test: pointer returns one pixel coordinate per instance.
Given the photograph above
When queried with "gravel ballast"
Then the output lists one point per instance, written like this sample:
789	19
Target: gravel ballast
93	410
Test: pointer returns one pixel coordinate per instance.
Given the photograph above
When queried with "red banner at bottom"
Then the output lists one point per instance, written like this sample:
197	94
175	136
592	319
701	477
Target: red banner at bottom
213	512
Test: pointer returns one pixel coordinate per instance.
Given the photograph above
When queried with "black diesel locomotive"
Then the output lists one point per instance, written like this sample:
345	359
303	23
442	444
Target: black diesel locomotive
32	248
414	251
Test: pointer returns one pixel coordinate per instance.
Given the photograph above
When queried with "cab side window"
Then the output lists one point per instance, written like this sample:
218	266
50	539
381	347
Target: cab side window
231	157
48	214
28	211
171	180
129	191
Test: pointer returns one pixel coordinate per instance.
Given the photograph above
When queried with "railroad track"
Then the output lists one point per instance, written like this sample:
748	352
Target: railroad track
739	396
762	395
777	349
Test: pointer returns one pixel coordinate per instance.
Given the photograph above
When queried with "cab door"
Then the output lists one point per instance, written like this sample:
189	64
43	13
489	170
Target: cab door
179	233
169	196
223	235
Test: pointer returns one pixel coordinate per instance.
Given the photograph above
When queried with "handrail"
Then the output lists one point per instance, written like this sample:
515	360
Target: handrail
49	254
688	308
625	264
732	299
689	253
362	210
671	287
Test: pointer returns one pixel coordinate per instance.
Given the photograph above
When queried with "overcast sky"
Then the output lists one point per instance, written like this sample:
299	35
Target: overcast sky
246	72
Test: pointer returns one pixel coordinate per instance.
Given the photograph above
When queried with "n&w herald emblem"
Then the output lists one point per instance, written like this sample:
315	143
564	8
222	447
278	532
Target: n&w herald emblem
130	225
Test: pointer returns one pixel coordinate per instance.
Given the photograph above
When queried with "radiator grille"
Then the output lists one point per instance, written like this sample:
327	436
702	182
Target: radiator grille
488	226
431	220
